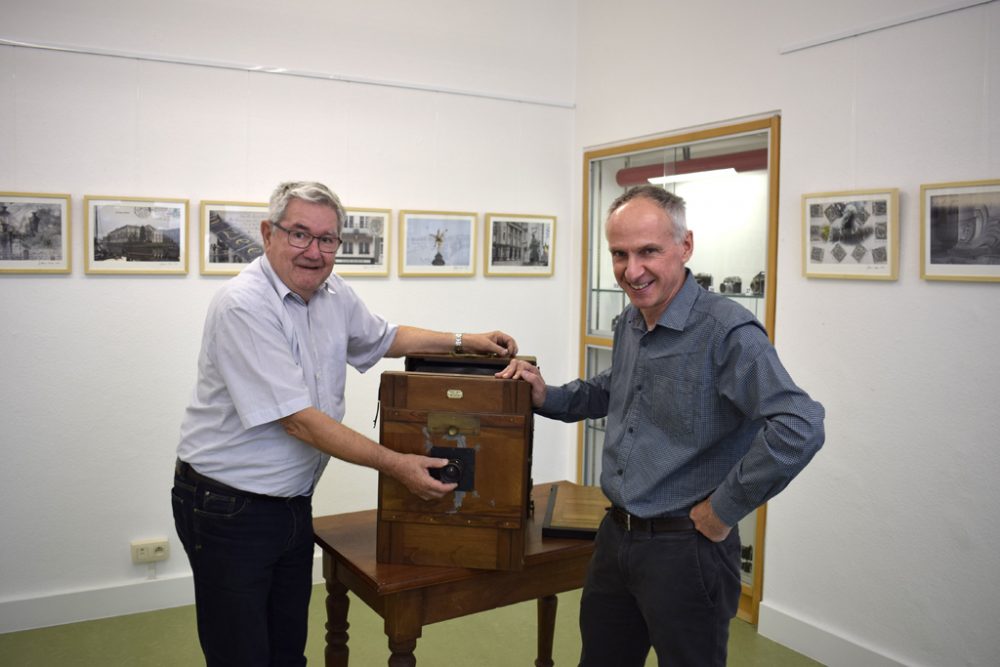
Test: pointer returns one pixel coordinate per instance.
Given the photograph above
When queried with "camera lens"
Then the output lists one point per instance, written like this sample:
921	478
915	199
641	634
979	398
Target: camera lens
451	472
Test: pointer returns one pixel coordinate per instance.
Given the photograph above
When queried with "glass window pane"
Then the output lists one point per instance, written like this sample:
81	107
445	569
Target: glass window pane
726	212
598	359
748	545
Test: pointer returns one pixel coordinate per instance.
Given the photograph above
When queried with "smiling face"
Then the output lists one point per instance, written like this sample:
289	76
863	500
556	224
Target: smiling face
648	262
303	270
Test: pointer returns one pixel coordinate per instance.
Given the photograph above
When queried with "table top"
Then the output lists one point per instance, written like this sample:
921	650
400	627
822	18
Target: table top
350	538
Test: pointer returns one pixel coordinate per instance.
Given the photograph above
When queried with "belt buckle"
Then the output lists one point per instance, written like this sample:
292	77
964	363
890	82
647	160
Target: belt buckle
628	522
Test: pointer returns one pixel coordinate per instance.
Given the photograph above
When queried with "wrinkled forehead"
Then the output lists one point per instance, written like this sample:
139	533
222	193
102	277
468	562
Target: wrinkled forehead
316	218
638	219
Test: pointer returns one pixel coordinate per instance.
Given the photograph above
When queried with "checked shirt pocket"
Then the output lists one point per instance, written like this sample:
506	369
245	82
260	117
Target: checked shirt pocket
673	405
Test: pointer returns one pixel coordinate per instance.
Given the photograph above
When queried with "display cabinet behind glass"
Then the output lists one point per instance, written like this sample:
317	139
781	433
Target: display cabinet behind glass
606	298
598	359
748	547
724	182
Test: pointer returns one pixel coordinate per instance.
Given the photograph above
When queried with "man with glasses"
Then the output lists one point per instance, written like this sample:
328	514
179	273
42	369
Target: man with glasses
264	420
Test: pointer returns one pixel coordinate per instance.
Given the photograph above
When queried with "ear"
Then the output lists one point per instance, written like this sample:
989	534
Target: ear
265	232
688	245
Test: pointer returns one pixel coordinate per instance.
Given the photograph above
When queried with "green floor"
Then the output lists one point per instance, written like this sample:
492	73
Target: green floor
500	637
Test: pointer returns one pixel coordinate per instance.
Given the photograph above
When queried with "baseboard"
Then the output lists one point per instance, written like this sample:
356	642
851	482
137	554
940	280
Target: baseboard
87	605
817	643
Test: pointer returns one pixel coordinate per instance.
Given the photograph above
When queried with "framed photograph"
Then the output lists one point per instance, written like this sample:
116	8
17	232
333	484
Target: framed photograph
519	245
960	231
135	235
364	247
230	235
437	243
853	234
35	233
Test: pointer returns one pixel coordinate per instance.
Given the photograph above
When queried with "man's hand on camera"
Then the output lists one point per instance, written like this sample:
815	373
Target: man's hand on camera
519	369
413	472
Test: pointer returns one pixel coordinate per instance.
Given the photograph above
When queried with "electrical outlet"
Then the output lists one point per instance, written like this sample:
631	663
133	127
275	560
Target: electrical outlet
150	551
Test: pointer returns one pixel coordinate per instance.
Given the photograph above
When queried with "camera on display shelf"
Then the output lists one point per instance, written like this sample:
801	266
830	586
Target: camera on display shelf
757	284
731	285
704	279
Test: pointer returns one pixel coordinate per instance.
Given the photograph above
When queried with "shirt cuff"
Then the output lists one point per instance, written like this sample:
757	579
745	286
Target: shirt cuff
728	511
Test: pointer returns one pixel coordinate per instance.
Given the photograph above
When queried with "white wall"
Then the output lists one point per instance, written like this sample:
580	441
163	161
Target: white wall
884	549
96	370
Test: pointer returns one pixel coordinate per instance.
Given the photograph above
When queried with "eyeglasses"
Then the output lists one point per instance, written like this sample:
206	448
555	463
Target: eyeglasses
301	239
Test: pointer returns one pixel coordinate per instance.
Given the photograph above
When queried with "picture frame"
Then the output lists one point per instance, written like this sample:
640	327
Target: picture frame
364	247
851	234
437	243
230	235
35	233
519	245
137	235
960	231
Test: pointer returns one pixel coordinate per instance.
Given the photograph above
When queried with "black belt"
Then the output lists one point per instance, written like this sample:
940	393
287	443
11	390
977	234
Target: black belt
663	524
184	471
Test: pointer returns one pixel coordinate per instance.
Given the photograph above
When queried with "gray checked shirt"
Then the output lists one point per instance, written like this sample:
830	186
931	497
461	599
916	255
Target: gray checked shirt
699	406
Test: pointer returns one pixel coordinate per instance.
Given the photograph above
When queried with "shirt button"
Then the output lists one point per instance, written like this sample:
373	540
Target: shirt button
638	387
630	429
621	472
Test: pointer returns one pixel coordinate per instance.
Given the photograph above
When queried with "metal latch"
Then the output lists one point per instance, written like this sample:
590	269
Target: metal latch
452	423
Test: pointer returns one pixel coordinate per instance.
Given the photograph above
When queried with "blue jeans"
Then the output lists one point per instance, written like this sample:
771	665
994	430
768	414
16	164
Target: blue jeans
252	557
676	591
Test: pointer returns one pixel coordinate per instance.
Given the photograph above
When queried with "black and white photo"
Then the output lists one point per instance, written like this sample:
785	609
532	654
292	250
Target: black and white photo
230	235
364	243
960	231
519	245
135	235
851	234
35	233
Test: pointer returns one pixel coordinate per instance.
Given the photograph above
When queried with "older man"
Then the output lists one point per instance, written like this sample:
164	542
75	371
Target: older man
265	419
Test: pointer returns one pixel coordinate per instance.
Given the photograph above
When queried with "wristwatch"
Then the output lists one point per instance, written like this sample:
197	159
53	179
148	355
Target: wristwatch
458	344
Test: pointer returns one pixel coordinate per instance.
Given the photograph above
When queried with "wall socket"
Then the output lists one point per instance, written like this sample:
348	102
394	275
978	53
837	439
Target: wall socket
150	551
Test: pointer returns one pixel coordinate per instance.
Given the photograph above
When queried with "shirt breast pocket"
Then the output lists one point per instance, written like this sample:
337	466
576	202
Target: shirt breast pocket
673	405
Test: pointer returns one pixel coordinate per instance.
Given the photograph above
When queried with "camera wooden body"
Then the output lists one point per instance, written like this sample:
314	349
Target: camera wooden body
492	420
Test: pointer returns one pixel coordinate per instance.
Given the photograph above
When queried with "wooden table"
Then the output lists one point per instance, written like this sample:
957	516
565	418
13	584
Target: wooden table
409	597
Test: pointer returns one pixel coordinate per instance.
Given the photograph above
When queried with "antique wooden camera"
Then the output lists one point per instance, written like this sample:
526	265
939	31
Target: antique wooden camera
451	406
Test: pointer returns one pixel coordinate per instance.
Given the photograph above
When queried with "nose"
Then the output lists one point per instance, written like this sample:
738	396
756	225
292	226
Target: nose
633	269
312	250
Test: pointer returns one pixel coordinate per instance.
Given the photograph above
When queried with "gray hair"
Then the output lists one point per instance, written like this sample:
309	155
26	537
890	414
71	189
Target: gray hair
310	191
673	205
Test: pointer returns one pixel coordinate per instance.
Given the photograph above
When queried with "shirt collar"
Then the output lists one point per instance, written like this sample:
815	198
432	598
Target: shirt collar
679	308
280	288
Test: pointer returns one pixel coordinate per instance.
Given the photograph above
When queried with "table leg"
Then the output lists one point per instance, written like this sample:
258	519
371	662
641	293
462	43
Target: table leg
546	629
337	604
402	653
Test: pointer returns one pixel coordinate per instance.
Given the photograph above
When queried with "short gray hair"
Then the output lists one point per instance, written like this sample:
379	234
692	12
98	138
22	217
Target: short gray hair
310	191
668	201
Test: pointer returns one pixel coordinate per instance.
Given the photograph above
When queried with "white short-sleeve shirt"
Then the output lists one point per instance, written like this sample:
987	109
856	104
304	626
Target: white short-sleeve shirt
266	354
